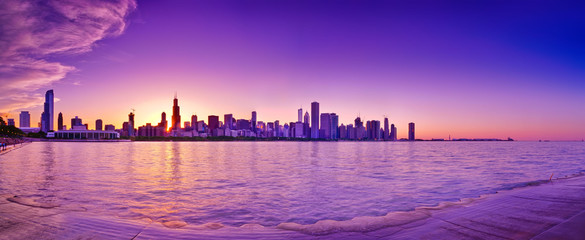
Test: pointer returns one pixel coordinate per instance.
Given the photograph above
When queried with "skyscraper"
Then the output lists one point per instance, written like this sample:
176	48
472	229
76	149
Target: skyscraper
261	129
376	130
131	124
393	136
60	122
270	129
334	126
351	131
125	129
325	130
306	126
24	119
98	124
299	130
228	121
277	132
194	122
373	130
358	122
163	121
411	132
360	130
342	131
285	130
212	122
386	130
253	121
291	129
369	130
300	115
47	116
314	120
243	124
176	118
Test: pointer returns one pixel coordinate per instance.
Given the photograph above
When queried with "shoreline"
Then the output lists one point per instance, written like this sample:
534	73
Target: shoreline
534	209
420	213
82	140
12	147
234	139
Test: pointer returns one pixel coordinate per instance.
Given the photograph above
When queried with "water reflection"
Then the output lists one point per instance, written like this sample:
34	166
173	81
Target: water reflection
46	188
272	182
175	161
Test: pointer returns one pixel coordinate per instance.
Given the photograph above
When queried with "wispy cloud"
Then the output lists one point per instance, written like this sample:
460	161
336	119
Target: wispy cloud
33	31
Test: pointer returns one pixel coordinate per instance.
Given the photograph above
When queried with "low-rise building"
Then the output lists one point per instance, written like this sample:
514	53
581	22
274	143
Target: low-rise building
84	134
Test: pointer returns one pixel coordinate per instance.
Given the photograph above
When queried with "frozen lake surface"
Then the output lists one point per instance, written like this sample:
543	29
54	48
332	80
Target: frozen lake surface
268	183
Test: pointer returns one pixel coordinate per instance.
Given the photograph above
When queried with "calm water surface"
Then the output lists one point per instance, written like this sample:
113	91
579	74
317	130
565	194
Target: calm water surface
268	183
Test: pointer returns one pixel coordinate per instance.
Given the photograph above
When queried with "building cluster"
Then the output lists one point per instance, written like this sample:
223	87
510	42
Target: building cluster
316	125
77	129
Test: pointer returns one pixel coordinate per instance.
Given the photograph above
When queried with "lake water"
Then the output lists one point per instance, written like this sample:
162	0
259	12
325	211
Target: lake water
268	183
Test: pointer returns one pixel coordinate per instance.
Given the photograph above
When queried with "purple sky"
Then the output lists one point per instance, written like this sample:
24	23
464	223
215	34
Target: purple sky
464	68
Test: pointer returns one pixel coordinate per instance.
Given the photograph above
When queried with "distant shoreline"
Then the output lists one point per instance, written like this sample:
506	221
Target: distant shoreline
232	139
247	139
81	140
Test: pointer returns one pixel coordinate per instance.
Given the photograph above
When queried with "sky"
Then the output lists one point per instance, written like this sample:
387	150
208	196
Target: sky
465	69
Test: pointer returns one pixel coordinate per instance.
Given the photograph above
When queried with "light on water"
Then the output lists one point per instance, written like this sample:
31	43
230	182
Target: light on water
268	183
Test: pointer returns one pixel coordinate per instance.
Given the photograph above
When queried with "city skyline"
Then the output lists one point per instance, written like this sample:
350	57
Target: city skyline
323	126
176	124
449	67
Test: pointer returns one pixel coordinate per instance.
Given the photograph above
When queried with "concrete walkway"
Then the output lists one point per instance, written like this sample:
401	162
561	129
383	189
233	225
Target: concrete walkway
12	147
549	211
552	210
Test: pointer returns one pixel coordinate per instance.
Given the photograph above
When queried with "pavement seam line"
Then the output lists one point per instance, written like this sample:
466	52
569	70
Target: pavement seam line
462	226
566	220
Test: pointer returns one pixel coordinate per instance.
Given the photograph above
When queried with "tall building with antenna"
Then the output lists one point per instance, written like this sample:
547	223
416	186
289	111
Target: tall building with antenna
176	118
131	123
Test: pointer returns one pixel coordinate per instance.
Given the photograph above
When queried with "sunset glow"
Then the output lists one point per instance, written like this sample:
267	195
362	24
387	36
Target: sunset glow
465	70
